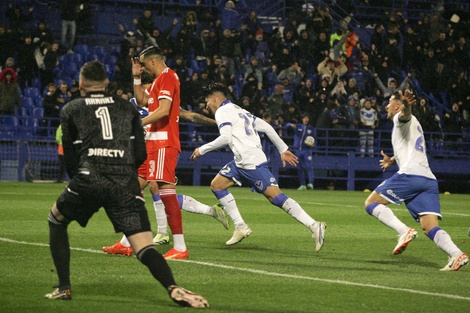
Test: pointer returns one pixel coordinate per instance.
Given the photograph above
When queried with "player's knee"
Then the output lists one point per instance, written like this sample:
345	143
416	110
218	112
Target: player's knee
370	206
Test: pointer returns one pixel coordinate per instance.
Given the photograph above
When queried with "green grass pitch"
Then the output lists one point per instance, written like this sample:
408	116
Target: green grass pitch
275	270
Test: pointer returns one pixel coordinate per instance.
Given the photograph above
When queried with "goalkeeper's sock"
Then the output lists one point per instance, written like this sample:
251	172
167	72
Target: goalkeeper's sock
60	250
157	265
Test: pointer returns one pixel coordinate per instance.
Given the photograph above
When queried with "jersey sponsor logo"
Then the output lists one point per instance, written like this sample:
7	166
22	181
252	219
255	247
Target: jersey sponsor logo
94	101
393	195
151	100
108	153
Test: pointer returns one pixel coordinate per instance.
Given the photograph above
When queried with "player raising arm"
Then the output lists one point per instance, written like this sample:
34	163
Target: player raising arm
414	184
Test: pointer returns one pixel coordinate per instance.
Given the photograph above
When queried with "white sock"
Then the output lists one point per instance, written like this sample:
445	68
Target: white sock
160	214
192	205
125	242
295	210
231	208
385	215
443	241
179	243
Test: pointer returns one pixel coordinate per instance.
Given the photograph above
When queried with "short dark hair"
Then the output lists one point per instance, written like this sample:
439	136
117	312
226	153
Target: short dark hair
93	70
146	78
149	51
215	87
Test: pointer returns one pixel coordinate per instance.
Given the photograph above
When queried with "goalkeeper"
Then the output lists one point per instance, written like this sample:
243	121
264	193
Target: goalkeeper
303	148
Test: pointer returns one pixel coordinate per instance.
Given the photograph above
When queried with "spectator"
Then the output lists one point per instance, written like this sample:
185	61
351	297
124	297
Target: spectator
163	39
339	119
426	116
354	112
351	87
9	93
458	86
453	125
44	35
7	42
190	92
181	69
18	19
205	46
306	52
52	106
145	23
75	90
252	89
305	94
27	66
339	91
230	14
51	61
368	123
291	113
253	23
391	86
429	72
322	48
226	49
276	102
70	10
64	94
254	69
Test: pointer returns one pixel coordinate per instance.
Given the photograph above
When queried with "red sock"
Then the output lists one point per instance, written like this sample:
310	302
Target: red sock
173	211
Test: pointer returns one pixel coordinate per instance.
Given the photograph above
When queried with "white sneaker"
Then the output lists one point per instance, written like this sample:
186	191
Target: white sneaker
456	263
219	214
404	240
239	234
318	234
161	239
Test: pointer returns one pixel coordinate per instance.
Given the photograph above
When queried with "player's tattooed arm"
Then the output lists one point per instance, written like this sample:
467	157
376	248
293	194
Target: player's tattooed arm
197	118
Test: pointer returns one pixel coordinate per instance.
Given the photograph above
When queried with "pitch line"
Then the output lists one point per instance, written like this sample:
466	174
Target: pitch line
274	274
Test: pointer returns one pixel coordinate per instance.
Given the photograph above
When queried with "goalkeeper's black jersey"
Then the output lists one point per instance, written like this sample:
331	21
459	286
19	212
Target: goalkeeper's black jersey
103	133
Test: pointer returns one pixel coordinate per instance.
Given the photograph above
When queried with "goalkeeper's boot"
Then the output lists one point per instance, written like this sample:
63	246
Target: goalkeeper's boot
187	298
455	263
161	239
239	234
219	214
404	240
318	234
118	248
58	294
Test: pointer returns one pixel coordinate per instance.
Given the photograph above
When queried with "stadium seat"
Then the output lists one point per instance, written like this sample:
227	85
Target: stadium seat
92	57
110	59
32	92
27	102
37	112
78	59
70	68
8	124
98	50
81	49
30	126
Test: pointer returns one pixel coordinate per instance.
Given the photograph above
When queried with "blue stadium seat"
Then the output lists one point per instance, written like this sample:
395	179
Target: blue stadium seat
81	49
70	68
32	92
8	125
98	50
27	102
78	59
92	57
30	126
37	113
110	59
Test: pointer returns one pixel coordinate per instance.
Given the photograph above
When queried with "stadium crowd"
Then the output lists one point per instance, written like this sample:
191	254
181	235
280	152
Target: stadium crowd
311	63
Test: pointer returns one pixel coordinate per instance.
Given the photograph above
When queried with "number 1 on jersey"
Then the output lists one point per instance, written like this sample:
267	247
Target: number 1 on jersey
103	114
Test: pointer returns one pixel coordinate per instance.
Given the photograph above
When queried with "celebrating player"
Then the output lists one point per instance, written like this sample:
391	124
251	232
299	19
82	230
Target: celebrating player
239	130
414	184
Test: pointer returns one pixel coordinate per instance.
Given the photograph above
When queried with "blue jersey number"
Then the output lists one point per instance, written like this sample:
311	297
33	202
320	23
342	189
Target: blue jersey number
249	123
419	144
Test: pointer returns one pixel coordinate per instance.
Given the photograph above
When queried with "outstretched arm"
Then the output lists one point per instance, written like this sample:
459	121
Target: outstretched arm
408	99
197	118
